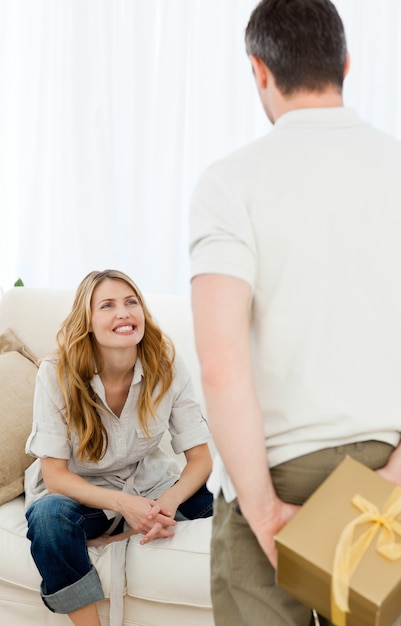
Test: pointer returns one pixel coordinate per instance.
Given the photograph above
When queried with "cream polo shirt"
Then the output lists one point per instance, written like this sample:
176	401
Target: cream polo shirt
310	216
130	456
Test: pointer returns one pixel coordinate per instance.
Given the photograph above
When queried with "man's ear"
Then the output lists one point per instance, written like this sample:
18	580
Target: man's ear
347	64
260	71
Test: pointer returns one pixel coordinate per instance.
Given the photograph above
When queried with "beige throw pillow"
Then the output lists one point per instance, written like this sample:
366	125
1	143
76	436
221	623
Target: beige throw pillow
10	342
17	384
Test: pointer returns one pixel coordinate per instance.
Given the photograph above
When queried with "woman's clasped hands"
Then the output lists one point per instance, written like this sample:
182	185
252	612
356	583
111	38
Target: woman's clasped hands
144	516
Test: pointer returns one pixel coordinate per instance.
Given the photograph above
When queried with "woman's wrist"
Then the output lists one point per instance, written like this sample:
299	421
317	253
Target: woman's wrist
173	497
119	501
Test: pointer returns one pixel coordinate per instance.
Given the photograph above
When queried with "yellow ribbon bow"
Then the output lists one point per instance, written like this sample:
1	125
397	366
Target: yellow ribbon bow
348	555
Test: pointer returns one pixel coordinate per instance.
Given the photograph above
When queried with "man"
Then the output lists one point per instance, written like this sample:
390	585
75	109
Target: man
296	289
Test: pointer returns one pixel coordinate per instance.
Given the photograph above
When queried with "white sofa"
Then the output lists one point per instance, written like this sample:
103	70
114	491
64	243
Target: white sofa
167	581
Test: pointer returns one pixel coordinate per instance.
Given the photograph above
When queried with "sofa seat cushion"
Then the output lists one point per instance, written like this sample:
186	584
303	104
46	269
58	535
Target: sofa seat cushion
172	571
16	565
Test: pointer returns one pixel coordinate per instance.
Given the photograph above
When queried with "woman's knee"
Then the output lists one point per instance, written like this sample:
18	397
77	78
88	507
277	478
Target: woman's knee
51	515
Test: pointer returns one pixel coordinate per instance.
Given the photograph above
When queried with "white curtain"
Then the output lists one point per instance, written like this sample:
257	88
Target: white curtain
110	110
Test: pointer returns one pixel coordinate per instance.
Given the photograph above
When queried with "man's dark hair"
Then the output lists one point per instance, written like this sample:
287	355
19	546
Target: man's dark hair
302	42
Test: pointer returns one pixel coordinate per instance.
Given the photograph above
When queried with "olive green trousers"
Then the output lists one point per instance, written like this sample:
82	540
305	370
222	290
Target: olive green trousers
243	586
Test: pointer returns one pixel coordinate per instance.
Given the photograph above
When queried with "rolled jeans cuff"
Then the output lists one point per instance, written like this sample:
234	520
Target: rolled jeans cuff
81	593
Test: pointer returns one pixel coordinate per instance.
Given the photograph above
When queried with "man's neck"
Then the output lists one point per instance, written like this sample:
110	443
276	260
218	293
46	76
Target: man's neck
307	100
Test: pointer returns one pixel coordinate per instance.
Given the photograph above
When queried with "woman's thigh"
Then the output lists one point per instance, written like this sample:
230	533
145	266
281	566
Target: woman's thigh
60	514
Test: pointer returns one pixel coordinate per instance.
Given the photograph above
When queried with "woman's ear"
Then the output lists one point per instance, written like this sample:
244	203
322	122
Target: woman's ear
260	72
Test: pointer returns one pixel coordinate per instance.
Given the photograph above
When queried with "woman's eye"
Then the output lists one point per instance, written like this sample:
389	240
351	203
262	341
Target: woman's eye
132	301
106	305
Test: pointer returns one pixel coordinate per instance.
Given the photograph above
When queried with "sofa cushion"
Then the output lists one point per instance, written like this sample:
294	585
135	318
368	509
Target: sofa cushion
17	381
10	342
187	554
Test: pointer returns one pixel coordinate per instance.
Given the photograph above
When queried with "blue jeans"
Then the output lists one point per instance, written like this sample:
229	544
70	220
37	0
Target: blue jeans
198	505
59	527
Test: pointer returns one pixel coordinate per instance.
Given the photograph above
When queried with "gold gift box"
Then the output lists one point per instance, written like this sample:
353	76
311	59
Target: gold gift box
307	547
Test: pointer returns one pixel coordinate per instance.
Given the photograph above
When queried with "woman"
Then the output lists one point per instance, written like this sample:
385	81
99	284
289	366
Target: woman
102	404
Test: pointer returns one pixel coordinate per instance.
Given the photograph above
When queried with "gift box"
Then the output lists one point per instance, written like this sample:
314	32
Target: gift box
340	554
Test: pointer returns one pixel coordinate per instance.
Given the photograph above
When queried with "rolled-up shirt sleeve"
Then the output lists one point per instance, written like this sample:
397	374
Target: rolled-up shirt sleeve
48	437
187	426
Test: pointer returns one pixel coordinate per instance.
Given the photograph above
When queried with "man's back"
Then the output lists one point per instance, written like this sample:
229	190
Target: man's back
314	212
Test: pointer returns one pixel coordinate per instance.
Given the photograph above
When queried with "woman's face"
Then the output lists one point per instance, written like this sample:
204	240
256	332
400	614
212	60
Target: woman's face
118	321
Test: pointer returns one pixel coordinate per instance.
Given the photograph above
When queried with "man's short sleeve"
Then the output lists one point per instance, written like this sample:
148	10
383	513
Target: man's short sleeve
221	234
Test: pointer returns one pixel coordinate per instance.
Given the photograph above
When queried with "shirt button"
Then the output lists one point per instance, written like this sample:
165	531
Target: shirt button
121	439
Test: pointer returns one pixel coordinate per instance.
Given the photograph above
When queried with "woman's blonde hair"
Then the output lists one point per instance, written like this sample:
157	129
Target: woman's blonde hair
80	359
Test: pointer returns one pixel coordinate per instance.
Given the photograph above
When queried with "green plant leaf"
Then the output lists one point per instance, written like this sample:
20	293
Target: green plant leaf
19	283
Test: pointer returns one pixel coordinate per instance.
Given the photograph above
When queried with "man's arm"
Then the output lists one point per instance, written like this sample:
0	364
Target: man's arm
221	308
